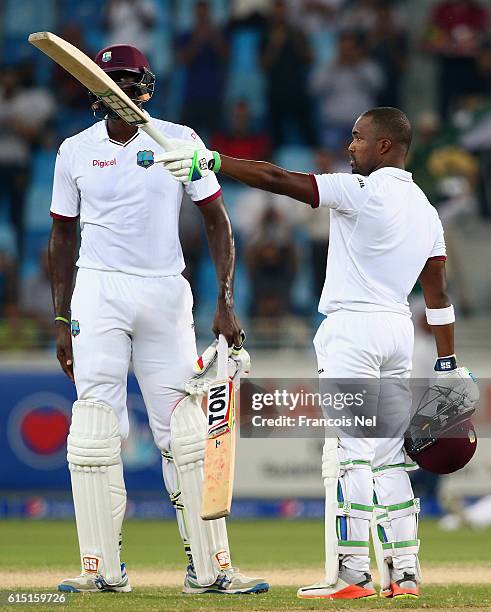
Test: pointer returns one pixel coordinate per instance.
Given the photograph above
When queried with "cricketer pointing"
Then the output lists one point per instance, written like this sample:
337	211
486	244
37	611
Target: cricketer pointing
384	236
131	303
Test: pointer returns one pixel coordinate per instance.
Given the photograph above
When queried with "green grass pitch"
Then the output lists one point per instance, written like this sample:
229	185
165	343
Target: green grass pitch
260	546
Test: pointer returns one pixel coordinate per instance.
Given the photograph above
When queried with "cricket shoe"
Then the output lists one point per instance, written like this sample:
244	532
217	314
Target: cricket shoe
403	585
95	583
350	585
229	582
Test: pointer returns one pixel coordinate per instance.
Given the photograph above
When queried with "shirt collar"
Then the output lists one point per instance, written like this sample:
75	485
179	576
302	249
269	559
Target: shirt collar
103	135
403	175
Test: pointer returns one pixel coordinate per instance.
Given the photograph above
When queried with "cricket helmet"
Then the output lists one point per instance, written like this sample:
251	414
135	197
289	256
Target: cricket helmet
445	455
441	437
120	61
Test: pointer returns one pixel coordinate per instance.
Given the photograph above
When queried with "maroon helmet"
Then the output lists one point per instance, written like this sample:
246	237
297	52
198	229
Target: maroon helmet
117	60
447	453
121	57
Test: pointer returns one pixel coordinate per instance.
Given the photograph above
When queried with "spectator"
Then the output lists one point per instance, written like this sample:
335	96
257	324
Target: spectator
24	112
427	136
346	86
361	15
36	302
248	13
14	334
315	15
286	58
387	44
239	139
272	263
455	35
251	208
483	65
204	53
130	22
7	282
71	93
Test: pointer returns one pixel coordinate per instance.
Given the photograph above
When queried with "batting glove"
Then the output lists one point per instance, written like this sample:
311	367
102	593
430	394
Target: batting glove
457	379
188	164
206	366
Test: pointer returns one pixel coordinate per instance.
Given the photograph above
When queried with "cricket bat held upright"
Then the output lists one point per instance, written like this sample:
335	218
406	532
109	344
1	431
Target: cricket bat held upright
219	461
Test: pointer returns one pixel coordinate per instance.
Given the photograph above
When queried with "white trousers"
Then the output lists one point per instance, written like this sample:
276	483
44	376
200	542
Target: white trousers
373	345
147	321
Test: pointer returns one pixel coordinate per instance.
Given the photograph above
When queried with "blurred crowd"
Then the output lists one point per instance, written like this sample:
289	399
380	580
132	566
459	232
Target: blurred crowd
279	80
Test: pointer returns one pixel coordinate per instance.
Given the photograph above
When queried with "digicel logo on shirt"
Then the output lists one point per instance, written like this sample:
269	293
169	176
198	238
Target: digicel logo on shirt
103	163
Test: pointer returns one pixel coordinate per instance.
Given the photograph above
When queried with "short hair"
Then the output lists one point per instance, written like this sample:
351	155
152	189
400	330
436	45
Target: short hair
391	122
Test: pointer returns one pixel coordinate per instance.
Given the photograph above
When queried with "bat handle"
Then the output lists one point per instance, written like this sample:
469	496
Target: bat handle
159	138
222	372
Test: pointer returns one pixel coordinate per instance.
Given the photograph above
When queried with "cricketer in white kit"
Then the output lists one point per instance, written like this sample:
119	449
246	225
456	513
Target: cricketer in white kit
384	235
132	304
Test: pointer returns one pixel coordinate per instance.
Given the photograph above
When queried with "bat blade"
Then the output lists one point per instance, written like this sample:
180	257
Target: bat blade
82	68
219	464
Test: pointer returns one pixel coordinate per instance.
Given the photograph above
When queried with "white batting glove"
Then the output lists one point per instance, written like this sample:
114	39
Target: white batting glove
457	379
206	366
188	164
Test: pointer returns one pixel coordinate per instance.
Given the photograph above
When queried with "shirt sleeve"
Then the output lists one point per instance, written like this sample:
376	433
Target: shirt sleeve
65	199
439	249
206	189
343	192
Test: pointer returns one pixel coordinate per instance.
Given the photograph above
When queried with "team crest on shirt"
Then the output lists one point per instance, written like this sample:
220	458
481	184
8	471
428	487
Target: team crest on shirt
145	159
75	327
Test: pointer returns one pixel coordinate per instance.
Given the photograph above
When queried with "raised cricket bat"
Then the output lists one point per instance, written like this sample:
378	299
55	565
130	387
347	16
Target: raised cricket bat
81	67
219	464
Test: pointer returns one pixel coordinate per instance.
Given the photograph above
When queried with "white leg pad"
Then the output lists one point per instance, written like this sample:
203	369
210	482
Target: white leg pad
330	474
207	539
355	509
395	525
99	493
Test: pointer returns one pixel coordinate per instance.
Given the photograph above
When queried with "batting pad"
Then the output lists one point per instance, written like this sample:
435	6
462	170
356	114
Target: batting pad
395	524
208	539
330	474
99	493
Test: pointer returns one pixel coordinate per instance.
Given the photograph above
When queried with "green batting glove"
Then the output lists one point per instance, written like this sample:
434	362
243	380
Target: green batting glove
189	164
203	162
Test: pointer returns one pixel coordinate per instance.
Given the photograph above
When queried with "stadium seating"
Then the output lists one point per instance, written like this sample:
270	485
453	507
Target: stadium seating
7	239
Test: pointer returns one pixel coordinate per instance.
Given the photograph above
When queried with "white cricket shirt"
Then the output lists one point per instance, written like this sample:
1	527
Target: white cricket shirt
128	206
383	230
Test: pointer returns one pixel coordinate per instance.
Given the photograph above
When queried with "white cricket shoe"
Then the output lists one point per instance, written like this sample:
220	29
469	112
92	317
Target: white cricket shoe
229	582
404	584
350	585
95	583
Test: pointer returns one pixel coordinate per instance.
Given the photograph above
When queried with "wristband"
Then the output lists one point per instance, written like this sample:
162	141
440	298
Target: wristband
445	364
63	320
216	163
440	316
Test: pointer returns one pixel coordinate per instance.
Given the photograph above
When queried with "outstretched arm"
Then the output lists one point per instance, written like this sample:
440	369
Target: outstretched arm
222	249
268	177
189	164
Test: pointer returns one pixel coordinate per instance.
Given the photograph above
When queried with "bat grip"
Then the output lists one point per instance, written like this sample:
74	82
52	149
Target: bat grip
222	370
159	138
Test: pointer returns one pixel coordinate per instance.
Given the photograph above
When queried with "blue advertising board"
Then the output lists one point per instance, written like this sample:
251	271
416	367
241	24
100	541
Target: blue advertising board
35	414
35	411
